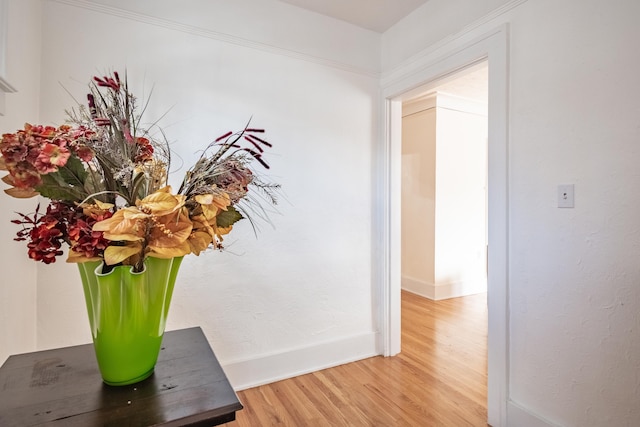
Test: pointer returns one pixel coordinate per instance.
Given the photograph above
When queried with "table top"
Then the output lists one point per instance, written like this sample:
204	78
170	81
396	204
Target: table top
63	387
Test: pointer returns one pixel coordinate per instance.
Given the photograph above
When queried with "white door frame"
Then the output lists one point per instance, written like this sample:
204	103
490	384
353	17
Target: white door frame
403	83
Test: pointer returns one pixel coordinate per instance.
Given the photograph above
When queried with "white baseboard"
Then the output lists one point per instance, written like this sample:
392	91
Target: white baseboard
418	287
265	369
442	291
518	416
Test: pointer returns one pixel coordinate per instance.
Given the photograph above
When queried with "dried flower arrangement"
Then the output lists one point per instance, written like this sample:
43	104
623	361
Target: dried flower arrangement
106	177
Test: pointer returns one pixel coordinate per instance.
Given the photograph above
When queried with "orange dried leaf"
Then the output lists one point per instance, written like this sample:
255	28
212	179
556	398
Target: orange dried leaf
8	179
116	254
21	193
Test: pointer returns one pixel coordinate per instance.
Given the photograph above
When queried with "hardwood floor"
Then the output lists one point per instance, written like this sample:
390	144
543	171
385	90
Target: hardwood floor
439	378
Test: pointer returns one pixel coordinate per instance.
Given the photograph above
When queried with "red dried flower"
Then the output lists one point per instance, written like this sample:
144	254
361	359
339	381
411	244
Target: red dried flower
144	150
52	157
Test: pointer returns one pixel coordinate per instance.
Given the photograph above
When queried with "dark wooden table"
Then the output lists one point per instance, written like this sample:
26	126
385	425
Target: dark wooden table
63	387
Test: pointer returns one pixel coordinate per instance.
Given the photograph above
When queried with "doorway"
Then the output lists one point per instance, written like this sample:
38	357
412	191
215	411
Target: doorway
406	82
444	188
443	228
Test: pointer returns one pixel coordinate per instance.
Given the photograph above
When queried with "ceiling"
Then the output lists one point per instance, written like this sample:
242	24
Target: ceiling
374	15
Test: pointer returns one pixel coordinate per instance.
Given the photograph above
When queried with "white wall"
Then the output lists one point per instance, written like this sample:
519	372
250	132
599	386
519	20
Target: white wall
18	283
265	25
299	296
574	298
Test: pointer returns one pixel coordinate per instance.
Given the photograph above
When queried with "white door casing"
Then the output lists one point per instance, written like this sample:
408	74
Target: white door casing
404	83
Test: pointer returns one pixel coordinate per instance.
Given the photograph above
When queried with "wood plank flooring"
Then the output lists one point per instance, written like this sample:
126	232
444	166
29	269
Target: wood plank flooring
439	378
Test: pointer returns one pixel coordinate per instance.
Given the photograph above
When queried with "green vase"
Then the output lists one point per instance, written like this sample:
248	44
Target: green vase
128	314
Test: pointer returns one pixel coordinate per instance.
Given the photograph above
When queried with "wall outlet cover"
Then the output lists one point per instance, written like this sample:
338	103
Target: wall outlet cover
566	196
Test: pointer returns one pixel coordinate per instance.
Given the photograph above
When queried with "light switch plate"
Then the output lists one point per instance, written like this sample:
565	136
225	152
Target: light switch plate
566	196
